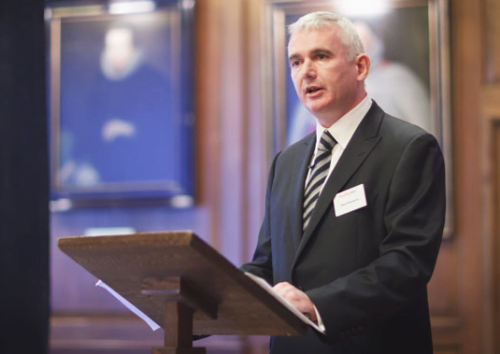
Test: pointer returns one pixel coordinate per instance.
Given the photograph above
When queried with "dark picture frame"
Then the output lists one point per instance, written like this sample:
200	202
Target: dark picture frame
414	68
121	103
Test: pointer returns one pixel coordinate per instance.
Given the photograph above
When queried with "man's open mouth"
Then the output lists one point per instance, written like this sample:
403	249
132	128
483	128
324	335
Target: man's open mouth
312	89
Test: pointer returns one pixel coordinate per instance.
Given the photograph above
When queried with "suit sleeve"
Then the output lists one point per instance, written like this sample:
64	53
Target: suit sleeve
261	264
414	220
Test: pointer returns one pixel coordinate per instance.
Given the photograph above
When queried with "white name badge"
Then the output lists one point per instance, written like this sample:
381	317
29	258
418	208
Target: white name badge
349	200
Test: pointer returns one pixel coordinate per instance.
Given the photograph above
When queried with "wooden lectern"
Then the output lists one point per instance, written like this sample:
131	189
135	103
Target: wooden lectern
184	285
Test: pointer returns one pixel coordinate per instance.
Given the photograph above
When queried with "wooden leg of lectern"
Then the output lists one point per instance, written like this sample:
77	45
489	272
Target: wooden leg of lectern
181	300
178	330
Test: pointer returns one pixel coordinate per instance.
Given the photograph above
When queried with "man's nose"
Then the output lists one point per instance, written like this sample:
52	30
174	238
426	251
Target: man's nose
308	69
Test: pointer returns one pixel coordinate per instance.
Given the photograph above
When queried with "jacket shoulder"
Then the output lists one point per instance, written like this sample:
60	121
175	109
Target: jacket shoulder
402	132
299	146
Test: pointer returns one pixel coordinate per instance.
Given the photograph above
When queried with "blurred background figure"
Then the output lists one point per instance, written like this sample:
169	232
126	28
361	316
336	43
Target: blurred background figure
122	135
393	85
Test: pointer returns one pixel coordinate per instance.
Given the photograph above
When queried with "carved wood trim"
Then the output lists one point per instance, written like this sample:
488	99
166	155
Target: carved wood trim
490	112
453	349
445	323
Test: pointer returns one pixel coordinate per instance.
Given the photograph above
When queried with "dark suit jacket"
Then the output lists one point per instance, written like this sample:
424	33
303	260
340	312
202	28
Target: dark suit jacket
365	271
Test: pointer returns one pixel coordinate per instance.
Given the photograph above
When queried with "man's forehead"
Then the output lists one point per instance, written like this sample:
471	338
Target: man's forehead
311	37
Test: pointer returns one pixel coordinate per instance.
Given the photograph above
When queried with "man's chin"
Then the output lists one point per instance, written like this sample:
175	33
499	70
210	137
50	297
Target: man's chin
316	109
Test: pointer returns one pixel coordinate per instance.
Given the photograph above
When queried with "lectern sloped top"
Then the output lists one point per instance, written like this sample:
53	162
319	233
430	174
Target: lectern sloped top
141	266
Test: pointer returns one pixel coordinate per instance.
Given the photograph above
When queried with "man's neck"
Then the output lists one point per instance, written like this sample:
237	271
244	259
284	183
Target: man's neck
327	121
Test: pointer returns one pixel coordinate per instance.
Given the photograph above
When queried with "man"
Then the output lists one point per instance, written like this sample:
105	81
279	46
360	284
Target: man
354	211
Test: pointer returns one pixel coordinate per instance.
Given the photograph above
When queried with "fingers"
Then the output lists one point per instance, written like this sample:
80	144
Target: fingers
297	298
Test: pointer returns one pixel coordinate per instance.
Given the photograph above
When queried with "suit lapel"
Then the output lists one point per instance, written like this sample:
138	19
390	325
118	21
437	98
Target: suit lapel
298	175
361	144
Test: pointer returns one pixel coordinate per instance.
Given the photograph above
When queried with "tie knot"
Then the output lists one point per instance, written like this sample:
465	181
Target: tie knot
327	141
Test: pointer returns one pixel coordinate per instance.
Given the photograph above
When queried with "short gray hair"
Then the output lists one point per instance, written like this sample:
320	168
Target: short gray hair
323	19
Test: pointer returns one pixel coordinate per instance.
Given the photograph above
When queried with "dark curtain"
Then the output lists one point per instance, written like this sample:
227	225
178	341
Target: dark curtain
24	216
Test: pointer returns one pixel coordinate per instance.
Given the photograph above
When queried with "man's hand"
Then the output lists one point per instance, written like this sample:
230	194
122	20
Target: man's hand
297	298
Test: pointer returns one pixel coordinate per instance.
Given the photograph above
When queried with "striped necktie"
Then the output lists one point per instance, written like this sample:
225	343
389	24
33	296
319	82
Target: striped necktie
317	177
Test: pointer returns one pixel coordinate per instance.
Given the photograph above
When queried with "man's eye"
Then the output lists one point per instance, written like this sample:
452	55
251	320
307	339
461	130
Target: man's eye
295	63
321	56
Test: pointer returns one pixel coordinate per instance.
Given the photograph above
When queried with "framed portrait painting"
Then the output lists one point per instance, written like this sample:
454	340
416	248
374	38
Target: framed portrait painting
408	46
121	105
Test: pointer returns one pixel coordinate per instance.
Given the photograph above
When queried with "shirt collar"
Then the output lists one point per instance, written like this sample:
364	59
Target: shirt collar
343	129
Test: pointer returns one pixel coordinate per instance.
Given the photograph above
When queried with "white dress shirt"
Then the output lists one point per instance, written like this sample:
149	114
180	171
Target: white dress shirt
342	131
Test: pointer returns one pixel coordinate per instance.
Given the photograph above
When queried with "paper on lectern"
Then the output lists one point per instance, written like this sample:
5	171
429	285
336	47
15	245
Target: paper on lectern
265	285
154	326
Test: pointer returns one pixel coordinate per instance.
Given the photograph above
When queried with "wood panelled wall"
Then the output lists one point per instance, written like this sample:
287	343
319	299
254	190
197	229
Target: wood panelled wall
233	129
456	290
490	148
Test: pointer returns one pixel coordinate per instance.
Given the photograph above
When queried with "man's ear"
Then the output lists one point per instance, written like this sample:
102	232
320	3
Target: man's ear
362	65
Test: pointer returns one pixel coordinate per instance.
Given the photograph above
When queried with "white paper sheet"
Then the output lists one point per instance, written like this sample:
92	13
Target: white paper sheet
154	326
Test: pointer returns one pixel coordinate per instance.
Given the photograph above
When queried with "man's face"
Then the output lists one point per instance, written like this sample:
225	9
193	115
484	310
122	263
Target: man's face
119	47
327	83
